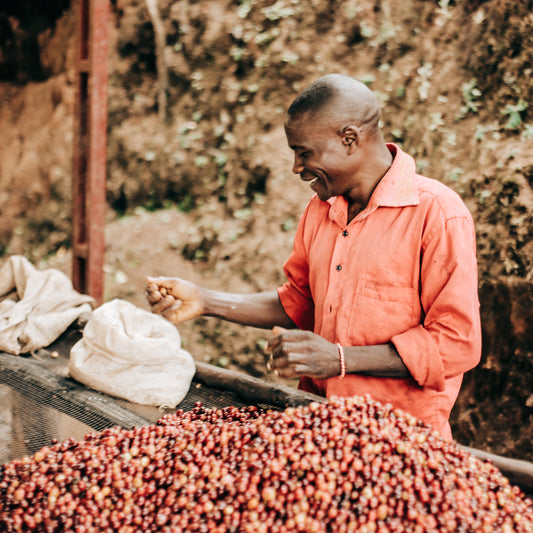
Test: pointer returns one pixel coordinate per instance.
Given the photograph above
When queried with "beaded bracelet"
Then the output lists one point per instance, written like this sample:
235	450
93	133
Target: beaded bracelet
342	361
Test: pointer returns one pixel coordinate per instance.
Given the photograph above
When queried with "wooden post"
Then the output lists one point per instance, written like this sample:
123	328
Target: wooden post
90	142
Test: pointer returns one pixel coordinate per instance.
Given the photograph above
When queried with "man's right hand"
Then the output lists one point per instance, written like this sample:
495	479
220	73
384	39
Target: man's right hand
175	299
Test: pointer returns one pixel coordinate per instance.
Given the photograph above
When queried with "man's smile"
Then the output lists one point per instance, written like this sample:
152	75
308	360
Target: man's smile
312	179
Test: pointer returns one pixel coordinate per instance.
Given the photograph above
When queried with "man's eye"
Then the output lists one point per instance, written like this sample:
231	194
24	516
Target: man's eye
305	155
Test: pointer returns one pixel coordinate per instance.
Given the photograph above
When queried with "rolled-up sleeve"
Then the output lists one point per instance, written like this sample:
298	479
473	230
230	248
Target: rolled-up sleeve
448	342
295	294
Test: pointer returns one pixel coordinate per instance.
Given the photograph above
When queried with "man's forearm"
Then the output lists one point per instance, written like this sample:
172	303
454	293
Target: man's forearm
380	361
261	310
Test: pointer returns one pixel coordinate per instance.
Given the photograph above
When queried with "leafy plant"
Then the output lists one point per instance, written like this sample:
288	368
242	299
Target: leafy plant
200	161
528	131
288	224
424	75
514	120
454	174
244	9
470	93
435	121
277	12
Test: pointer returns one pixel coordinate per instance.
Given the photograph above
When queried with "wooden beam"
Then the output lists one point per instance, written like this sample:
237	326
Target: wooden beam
90	150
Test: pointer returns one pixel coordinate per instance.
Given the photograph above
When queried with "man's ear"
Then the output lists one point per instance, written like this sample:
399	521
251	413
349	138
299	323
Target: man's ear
350	137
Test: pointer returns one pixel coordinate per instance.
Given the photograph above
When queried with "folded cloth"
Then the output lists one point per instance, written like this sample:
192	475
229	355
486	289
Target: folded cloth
36	306
132	354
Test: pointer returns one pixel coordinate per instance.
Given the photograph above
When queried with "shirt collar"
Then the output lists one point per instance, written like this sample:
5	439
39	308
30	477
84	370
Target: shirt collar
395	189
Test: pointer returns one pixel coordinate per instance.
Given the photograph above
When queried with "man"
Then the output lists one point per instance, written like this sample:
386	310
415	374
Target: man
382	280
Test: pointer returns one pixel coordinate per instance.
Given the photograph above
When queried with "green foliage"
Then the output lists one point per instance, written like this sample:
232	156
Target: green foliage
399	92
244	9
471	94
288	224
277	12
367	79
528	131
367	31
153	202
435	121
514	111
186	204
243	213
454	174
425	72
201	161
483	195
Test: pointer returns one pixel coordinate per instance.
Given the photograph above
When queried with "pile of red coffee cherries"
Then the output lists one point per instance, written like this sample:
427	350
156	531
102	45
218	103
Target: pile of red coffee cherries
347	465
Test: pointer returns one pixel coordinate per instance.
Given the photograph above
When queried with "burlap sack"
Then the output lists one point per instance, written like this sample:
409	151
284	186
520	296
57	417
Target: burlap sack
132	354
36	306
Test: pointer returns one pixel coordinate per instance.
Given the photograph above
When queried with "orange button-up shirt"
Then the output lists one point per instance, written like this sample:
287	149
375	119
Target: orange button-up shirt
404	270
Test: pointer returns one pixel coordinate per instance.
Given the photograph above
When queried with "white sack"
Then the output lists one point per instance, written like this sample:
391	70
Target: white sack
132	354
36	306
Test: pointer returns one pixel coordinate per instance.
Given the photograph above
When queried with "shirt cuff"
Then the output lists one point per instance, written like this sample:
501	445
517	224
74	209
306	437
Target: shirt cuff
421	357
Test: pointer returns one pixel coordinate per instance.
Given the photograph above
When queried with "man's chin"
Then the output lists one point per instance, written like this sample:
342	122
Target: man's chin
320	191
323	195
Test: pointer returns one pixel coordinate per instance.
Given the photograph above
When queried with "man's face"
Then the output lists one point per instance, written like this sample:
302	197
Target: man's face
321	155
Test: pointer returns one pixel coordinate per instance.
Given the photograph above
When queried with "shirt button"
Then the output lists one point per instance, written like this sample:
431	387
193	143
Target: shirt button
339	267
345	233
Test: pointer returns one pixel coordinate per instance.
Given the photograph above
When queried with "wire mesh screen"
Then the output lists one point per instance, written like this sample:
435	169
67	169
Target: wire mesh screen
39	403
26	425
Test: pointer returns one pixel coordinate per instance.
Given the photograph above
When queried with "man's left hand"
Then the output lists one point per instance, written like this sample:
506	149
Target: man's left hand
298	353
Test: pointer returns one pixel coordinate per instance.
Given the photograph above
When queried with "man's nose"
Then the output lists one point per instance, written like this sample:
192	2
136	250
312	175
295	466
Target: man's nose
297	166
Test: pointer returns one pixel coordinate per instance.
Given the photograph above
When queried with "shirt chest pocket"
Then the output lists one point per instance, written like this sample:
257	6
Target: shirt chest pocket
381	310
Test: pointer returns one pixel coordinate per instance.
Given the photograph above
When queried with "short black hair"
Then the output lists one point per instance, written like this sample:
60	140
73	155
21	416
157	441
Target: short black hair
314	98
342	98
